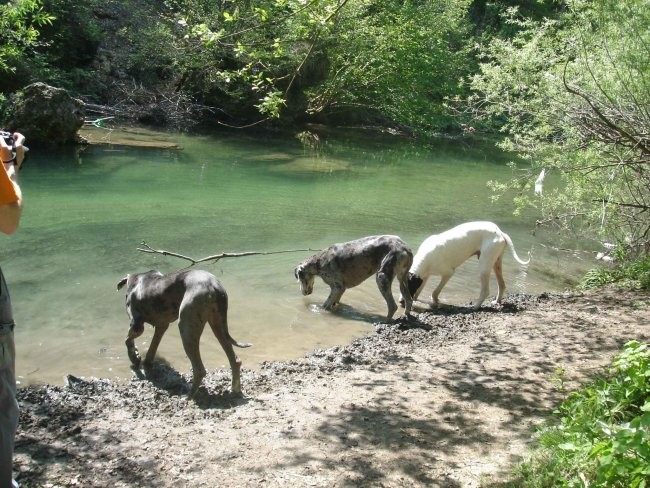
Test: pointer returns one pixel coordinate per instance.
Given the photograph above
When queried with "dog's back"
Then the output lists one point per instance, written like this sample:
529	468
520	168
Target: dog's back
355	261
442	253
158	298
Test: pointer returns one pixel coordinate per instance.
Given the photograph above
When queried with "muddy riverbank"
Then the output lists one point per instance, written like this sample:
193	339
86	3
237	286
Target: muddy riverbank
448	399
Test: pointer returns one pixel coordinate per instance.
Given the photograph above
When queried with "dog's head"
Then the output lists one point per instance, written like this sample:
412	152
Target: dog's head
306	278
132	280
414	284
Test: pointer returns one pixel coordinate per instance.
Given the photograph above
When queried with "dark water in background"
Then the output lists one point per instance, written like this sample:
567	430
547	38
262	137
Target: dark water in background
87	213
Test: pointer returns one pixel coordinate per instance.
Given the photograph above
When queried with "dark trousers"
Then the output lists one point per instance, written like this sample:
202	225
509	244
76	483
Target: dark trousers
8	403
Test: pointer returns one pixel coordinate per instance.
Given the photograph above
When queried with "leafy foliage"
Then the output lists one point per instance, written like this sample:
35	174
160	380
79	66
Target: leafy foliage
634	274
396	61
370	60
19	23
602	436
571	94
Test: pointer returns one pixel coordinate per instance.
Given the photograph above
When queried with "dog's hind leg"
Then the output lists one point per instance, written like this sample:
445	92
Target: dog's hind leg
136	330
191	329
498	271
490	258
384	280
405	300
219	324
485	288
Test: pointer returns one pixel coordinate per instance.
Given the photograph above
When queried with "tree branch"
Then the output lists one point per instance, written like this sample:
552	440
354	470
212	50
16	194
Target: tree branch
215	257
604	119
620	204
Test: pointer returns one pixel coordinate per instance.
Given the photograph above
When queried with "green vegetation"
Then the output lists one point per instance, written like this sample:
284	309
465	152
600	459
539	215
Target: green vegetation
629	275
19	23
380	62
602	434
571	95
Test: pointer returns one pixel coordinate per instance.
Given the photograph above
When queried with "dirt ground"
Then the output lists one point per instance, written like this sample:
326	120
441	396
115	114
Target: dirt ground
450	398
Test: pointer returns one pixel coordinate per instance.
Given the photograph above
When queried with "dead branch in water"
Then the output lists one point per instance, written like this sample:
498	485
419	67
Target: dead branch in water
215	257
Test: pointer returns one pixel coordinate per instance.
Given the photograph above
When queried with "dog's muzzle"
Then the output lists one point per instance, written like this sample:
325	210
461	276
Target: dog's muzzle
306	282
306	289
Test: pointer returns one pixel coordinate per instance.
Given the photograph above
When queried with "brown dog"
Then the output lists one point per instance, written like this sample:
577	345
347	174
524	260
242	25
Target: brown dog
194	297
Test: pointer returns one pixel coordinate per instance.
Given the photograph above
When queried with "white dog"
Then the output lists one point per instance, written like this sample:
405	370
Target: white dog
441	254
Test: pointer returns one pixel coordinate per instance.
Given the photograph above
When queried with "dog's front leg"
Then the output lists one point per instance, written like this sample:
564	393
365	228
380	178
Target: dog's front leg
436	293
333	300
136	330
159	331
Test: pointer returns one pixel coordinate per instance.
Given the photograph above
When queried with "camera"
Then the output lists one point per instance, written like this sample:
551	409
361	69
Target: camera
11	142
8	137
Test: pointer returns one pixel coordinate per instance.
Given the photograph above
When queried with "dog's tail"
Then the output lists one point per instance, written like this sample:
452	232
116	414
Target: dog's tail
219	319
238	344
514	253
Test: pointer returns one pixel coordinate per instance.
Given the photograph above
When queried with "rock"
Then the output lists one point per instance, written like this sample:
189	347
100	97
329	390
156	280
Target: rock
46	114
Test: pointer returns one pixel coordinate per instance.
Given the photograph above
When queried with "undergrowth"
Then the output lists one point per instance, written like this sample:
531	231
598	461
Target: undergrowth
600	436
631	275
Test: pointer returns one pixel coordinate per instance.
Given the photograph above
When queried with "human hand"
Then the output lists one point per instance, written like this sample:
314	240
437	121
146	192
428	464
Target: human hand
5	150
20	148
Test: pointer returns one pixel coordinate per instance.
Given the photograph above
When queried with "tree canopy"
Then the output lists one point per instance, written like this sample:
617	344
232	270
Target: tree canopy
19	23
572	96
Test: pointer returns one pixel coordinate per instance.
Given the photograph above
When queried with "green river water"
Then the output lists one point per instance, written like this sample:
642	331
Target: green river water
86	213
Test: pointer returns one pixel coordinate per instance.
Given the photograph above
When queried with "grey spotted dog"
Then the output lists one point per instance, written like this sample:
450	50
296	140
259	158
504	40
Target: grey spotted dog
348	264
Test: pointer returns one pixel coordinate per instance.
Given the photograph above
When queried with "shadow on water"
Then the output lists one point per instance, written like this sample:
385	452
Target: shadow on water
348	312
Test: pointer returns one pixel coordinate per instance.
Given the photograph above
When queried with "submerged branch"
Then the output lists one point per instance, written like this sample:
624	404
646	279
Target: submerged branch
215	257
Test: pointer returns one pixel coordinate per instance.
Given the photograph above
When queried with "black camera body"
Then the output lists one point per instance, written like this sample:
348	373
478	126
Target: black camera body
11	142
8	137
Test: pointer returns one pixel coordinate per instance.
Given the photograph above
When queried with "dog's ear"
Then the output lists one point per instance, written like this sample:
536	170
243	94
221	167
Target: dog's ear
122	282
299	272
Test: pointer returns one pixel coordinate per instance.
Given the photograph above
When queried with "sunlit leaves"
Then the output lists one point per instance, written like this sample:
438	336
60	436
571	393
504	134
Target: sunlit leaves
601	433
383	59
571	94
19	22
271	104
396	60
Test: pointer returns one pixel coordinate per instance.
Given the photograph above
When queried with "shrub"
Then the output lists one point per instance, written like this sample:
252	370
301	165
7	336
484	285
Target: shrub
634	275
602	434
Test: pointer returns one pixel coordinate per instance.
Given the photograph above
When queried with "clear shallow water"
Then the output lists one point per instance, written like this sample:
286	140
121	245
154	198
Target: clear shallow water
86	214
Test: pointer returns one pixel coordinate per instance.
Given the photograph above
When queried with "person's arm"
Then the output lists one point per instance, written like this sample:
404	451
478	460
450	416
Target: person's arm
10	213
